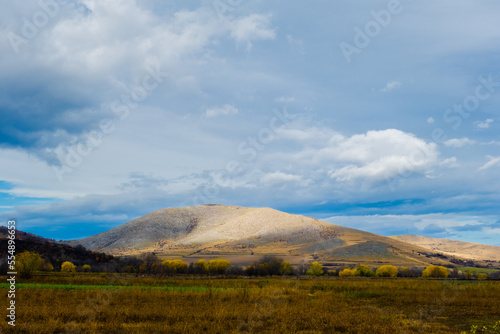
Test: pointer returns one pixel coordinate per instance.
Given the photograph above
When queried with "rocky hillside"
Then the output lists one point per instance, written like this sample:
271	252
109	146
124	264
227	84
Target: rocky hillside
467	250
219	229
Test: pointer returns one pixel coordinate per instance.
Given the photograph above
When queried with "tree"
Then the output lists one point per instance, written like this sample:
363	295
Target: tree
218	266
387	271
286	268
68	267
86	268
47	266
482	276
364	271
315	269
347	272
201	267
175	266
435	272
27	263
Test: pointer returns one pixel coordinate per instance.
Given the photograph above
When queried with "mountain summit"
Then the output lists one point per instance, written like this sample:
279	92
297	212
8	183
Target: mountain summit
212	229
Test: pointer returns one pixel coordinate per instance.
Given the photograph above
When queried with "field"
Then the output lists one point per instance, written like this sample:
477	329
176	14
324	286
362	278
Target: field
105	303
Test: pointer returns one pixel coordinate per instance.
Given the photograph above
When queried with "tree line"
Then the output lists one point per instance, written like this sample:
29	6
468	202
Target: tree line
27	263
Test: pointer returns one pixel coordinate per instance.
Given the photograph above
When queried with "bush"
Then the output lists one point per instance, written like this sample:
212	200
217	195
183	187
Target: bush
435	272
387	271
27	263
68	267
86	268
201	267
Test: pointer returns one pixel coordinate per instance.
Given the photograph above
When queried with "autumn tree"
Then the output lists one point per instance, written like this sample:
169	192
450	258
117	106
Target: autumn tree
364	271
218	266
435	272
175	266
347	272
315	269
201	267
68	267
27	263
387	271
86	268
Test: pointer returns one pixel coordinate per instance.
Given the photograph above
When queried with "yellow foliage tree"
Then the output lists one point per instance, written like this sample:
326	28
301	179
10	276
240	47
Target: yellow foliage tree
482	276
286	268
218	266
86	268
175	266
27	263
347	272
387	271
316	269
435	272
364	271
68	267
201	267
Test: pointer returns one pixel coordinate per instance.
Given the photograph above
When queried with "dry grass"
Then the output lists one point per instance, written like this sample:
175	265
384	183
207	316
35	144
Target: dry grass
253	305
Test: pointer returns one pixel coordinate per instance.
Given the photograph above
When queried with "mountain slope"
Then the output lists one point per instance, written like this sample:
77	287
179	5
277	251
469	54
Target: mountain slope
219	229
467	250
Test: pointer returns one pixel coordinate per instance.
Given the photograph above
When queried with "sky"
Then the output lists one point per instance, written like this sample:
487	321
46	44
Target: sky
377	115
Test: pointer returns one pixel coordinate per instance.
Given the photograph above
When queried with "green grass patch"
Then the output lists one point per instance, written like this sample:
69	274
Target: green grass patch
479	270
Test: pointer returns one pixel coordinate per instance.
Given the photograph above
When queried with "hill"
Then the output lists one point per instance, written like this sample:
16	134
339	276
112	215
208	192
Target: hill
463	249
50	250
216	230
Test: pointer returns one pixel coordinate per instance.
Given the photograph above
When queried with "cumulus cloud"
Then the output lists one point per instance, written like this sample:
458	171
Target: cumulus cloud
226	109
493	161
459	142
391	85
483	124
381	155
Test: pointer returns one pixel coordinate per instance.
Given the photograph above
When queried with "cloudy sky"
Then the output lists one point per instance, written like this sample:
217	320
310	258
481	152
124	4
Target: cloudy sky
378	115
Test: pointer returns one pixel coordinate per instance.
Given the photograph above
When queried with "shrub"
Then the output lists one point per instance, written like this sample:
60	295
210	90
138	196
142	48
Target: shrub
435	272
86	268
27	263
387	271
68	267
48	267
315	269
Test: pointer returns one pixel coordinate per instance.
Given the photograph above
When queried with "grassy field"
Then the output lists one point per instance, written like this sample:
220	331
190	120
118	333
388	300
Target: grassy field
94	303
478	270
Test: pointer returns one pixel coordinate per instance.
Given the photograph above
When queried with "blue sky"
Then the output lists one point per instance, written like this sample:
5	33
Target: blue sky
379	115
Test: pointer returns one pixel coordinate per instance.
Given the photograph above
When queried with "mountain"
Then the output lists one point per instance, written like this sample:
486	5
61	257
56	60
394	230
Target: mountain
212	229
467	250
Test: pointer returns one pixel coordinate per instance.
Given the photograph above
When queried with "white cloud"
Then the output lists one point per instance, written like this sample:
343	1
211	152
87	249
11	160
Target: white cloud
459	142
252	27
391	85
280	177
382	154
430	120
493	161
483	124
449	162
226	109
